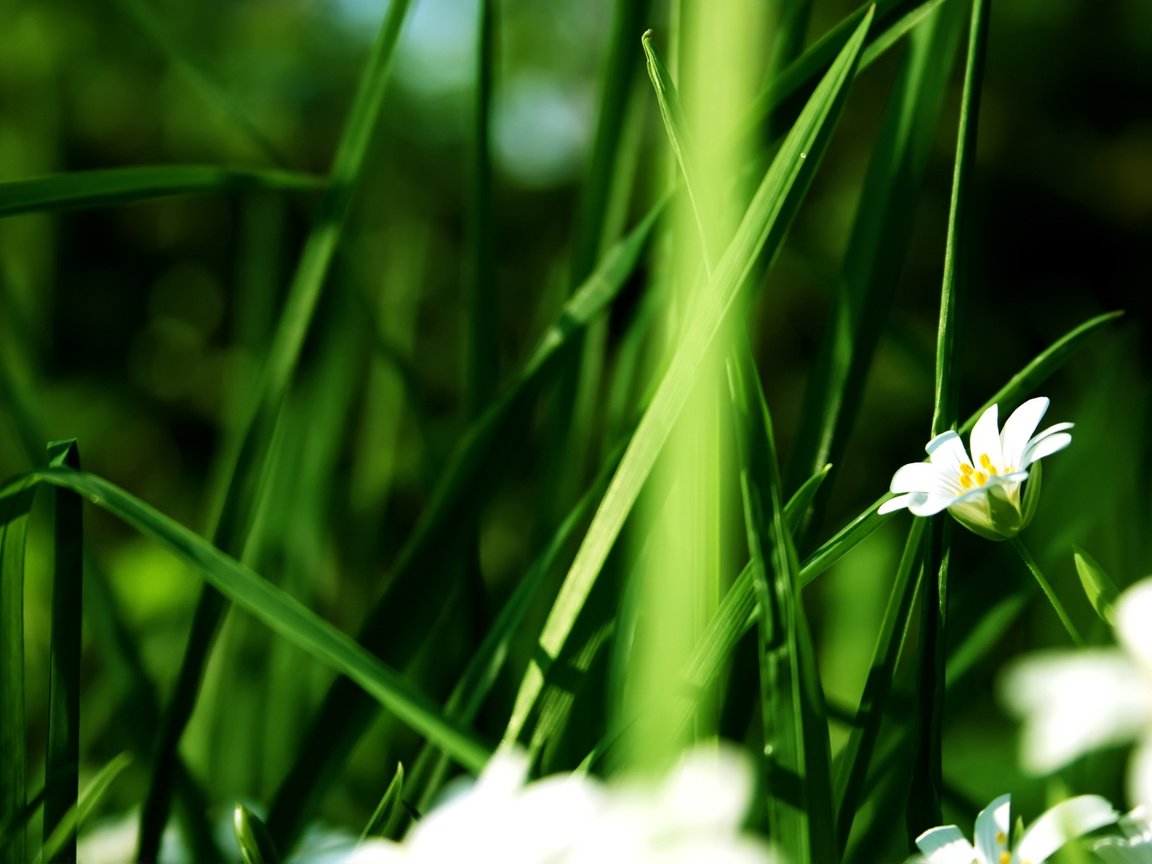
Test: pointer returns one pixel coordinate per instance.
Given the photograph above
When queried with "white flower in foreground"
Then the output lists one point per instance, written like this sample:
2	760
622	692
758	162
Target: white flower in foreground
1075	701
1066	821
1134	846
694	815
982	491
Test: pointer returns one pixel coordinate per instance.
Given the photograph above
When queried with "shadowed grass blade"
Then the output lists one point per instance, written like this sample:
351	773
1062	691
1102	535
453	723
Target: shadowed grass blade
13	724
64	834
79	190
62	764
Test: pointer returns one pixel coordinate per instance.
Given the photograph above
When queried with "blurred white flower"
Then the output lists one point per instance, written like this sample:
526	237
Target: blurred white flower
1075	701
1066	821
983	492
694	815
1133	846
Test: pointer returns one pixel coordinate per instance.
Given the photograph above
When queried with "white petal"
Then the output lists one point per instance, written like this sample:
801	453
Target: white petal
947	845
1134	624
1067	820
992	826
1140	774
377	851
1044	447
986	439
916	477
900	502
709	789
1019	427
1073	702
930	505
947	451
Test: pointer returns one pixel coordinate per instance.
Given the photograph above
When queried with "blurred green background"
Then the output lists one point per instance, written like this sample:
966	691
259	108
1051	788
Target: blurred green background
138	328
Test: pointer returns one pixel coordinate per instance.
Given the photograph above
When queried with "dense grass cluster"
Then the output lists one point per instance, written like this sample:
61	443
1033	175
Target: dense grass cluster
536	381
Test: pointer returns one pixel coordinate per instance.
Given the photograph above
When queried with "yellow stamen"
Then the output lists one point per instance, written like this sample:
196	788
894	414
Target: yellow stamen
1000	838
980	477
1005	858
986	462
965	469
965	481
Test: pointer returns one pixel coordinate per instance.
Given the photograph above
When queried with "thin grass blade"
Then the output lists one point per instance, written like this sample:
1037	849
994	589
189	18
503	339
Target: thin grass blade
62	763
65	832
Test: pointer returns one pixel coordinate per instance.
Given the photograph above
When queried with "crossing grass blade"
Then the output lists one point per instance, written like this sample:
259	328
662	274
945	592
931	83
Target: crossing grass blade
763	228
64	834
62	763
278	610
248	457
85	190
13	723
487	444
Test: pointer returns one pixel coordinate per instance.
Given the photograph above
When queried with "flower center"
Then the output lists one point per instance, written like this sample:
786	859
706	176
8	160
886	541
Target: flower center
971	478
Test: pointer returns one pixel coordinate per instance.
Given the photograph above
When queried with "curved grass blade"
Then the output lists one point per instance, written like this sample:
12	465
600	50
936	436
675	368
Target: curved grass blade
279	611
248	459
256	846
64	834
763	227
62	763
389	810
13	723
1098	585
81	190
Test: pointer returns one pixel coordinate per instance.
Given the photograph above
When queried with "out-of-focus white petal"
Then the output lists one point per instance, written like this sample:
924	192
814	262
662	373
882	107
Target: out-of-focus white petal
1019	427
1044	447
985	438
992	824
708	790
1073	702
378	851
1140	776
1066	821
1134	624
947	845
915	477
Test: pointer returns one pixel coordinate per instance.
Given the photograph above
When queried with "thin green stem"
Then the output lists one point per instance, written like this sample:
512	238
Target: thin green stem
1061	613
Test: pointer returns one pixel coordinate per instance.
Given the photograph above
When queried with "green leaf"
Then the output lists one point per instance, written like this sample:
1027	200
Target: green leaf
390	809
1098	585
65	831
14	509
78	190
255	843
62	764
763	227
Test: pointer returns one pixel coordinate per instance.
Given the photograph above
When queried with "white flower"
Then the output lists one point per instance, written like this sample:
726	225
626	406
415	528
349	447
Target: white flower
1075	701
982	492
694	815
1066	821
1134	846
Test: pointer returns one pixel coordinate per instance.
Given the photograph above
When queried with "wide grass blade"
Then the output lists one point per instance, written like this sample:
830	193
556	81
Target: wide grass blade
248	458
763	227
13	723
62	764
278	610
83	190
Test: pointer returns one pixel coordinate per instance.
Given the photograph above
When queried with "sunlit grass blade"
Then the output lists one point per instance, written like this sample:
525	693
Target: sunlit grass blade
156	30
248	457
279	611
390	809
256	846
62	764
487	444
64	834
13	723
875	253
79	190
1098	585
763	227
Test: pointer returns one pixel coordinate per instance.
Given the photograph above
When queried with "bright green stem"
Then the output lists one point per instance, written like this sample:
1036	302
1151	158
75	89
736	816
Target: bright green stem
1023	552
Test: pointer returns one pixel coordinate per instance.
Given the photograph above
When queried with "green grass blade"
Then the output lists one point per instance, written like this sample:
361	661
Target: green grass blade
13	723
255	844
488	441
64	835
389	810
1098	585
249	458
278	610
158	32
62	763
763	227
876	247
80	190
